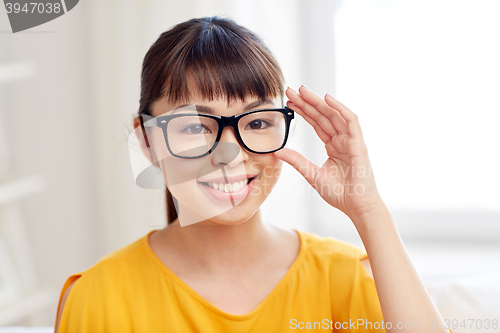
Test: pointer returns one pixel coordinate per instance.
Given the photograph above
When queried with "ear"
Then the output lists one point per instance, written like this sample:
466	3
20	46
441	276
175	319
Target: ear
140	133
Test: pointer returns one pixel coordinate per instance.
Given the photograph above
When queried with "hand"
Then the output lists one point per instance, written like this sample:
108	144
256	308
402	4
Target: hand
345	180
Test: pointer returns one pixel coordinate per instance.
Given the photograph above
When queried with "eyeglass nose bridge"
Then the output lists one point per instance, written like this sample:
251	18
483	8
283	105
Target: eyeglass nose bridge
224	122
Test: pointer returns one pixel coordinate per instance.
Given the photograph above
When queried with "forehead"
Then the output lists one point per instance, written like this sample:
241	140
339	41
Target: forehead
217	106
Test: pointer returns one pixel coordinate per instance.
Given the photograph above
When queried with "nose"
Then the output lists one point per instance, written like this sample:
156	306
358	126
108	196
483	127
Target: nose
229	150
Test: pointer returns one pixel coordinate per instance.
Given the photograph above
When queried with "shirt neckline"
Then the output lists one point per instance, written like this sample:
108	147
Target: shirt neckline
281	284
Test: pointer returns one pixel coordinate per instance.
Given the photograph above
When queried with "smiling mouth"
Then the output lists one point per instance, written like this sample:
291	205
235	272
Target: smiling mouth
229	187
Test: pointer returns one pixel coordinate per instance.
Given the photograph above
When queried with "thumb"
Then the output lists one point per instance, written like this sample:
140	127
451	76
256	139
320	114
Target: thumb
305	167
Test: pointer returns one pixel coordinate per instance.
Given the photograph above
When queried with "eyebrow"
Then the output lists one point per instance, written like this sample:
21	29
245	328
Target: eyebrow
209	110
258	103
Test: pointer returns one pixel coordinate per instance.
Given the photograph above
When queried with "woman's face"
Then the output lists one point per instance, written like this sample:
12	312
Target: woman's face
228	185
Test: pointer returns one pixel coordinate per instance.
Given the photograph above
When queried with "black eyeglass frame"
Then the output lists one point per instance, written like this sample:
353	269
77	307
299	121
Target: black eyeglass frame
222	122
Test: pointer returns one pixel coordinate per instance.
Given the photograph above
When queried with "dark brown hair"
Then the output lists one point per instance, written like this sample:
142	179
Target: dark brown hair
219	58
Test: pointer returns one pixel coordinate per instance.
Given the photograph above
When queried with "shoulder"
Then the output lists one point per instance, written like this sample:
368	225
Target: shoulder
125	257
102	279
132	251
330	247
334	252
110	268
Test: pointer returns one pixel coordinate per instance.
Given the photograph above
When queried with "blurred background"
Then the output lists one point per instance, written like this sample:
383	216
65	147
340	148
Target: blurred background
423	77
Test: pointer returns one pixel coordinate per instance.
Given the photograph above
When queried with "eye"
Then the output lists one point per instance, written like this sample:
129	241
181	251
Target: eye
257	124
196	129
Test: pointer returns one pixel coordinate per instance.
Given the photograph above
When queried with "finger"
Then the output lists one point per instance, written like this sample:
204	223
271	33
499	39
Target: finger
350	117
305	167
312	112
319	131
333	115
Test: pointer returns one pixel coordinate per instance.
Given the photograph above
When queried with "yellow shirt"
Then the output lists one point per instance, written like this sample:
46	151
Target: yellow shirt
131	290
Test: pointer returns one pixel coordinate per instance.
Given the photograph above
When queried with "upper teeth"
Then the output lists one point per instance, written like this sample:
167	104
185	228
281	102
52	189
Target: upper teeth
234	187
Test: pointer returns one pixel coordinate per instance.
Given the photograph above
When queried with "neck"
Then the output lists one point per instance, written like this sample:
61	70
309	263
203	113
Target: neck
213	247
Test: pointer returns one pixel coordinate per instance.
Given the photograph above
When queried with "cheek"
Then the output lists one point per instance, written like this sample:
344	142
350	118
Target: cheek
271	168
157	143
178	171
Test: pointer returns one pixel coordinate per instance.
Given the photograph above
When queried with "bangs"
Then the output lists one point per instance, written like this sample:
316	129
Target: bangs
222	64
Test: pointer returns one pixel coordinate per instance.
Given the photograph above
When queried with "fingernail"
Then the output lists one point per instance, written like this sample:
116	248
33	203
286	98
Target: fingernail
292	90
306	88
330	96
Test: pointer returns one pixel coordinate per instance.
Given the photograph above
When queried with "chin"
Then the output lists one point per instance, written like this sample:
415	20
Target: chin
234	216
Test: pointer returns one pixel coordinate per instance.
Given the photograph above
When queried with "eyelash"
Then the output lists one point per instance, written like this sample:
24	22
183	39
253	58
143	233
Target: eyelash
190	126
267	123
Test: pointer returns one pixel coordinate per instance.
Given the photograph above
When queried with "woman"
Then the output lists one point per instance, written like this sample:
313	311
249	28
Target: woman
210	119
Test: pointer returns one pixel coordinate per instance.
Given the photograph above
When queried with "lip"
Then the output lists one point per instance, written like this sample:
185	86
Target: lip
231	196
227	179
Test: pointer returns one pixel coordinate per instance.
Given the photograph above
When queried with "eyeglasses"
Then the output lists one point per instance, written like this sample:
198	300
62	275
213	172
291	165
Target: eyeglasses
194	135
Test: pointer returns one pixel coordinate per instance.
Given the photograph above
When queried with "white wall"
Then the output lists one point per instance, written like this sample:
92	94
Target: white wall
71	121
48	128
